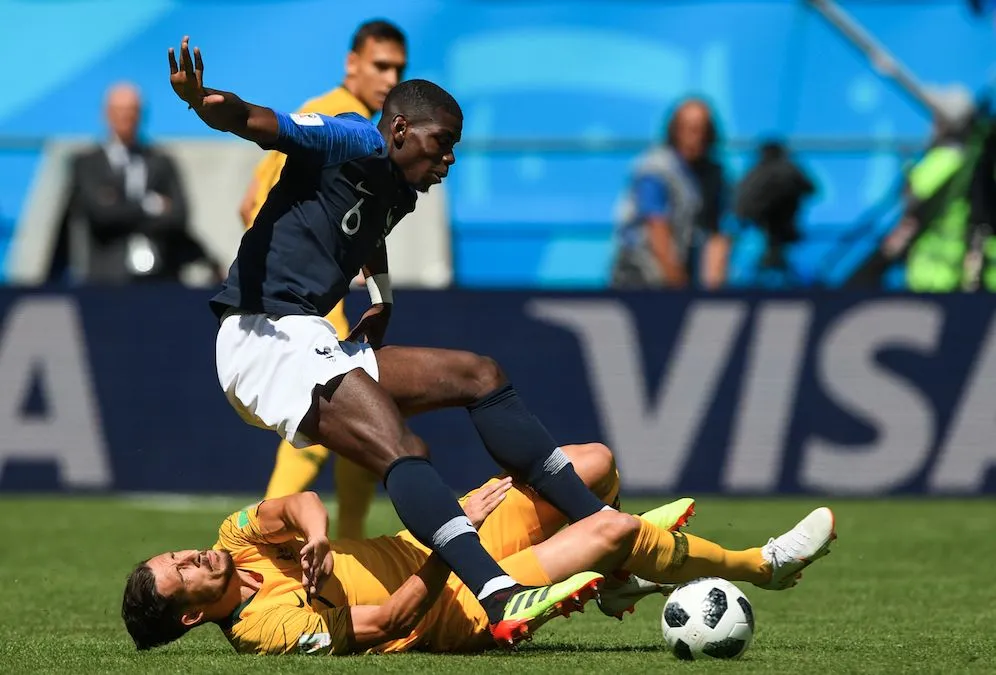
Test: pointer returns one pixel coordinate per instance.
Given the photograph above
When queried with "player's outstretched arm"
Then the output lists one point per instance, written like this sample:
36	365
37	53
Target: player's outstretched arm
220	110
326	140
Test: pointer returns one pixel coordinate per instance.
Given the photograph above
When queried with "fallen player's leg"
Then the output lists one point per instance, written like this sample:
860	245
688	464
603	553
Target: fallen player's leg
610	541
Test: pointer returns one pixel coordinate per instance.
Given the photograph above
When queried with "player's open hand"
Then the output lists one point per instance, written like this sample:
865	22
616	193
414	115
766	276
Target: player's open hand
187	77
316	564
372	327
482	503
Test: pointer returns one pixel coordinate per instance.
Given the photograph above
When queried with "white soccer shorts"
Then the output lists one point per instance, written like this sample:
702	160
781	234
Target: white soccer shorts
268	367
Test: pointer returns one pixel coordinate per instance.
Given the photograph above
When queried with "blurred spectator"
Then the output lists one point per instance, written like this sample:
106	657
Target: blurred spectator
983	213
933	233
128	214
673	207
769	196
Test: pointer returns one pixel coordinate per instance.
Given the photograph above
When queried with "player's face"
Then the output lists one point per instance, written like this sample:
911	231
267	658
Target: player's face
202	576
691	131
427	151
375	69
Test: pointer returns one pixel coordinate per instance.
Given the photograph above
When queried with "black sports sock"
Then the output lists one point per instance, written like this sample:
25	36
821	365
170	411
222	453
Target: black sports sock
431	513
521	445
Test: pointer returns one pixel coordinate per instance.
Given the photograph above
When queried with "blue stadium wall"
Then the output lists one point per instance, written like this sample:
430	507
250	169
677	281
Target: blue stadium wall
590	81
756	394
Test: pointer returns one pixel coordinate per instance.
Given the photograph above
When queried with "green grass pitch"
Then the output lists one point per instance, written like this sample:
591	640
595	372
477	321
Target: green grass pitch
908	588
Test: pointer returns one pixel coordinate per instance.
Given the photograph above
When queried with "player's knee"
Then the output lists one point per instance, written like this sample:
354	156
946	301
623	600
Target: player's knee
595	465
597	460
615	529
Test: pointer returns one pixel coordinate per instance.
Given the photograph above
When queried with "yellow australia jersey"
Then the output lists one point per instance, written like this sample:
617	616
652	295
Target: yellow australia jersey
278	618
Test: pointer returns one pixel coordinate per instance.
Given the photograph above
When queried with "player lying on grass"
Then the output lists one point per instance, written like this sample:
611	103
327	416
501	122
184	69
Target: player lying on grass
275	584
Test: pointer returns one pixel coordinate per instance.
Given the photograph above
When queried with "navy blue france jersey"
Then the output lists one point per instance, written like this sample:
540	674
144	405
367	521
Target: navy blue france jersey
337	199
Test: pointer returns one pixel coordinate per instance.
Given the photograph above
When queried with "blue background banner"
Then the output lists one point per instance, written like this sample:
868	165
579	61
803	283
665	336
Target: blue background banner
841	394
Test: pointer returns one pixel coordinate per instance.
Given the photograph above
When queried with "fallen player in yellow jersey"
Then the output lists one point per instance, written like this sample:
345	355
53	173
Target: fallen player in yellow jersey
274	583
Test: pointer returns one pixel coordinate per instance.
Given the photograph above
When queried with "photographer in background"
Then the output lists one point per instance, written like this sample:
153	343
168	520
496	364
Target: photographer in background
770	196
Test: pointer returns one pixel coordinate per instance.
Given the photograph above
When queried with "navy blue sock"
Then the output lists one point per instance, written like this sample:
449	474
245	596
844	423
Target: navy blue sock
521	445
431	513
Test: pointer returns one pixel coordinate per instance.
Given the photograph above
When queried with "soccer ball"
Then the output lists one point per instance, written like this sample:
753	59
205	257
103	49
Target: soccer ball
708	618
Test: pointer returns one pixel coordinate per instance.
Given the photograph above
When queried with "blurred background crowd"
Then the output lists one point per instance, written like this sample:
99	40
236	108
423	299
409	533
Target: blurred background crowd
627	144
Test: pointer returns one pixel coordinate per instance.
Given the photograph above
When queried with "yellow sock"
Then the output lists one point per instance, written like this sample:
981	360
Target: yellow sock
525	567
665	557
295	469
354	487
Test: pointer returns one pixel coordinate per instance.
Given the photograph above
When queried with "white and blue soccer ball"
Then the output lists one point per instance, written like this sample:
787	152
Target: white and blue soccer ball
708	619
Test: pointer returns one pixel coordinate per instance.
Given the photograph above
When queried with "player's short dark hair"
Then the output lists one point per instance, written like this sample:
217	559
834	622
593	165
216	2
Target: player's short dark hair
417	100
379	30
151	618
671	128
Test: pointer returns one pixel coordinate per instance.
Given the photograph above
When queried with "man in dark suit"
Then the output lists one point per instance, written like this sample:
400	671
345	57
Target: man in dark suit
128	213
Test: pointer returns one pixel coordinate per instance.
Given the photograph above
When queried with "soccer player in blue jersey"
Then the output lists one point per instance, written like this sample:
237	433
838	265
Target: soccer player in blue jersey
345	185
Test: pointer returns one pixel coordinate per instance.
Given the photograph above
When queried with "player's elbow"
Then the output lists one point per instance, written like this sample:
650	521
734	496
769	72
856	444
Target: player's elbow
394	625
596	466
312	501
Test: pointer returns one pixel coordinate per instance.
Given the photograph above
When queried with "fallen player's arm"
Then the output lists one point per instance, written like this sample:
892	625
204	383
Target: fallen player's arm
395	619
285	518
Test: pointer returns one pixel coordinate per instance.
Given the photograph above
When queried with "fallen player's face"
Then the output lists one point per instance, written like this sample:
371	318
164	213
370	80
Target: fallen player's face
427	154
202	576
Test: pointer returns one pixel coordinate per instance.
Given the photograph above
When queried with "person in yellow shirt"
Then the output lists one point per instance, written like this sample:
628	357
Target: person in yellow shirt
375	63
274	583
